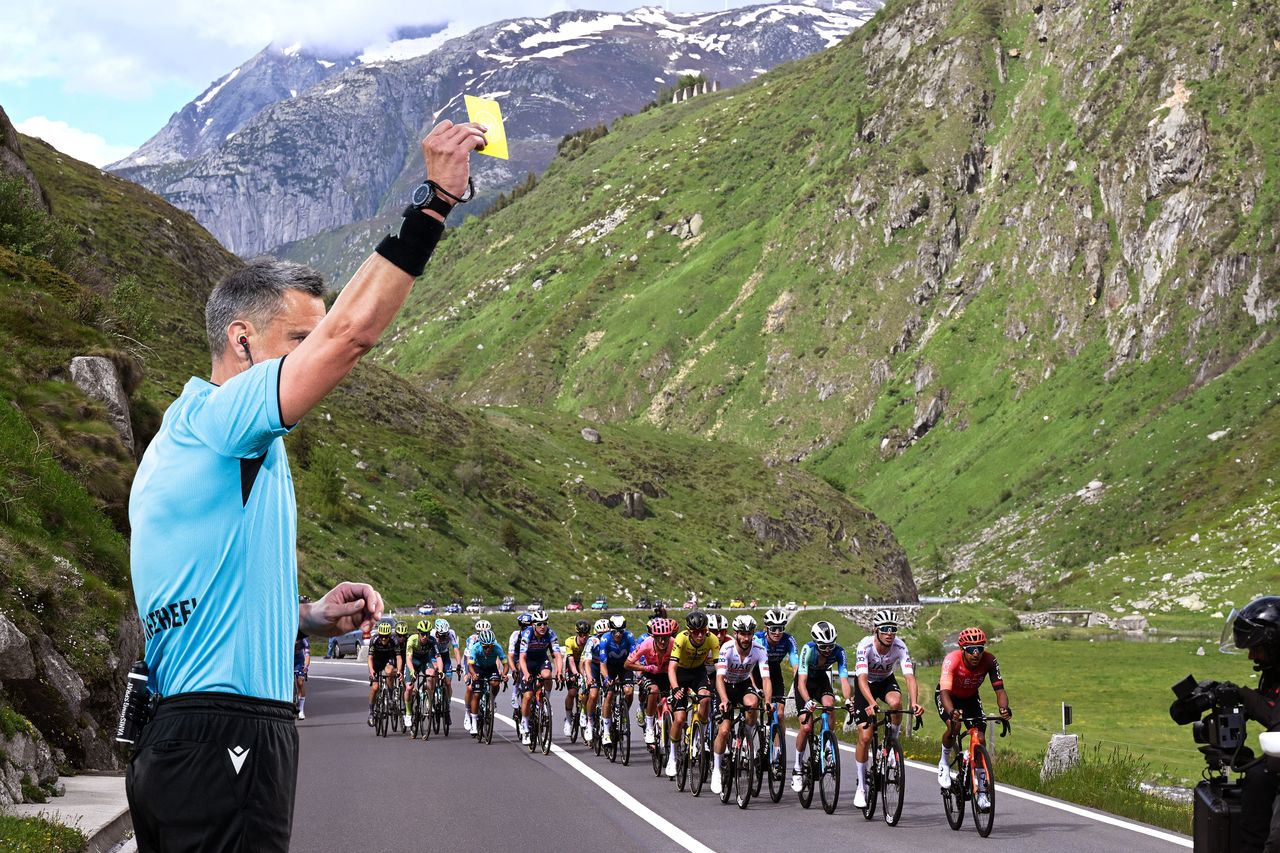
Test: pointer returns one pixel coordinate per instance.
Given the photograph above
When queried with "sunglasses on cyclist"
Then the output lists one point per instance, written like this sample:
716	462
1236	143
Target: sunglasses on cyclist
888	629
777	629
697	632
974	650
539	624
745	633
826	649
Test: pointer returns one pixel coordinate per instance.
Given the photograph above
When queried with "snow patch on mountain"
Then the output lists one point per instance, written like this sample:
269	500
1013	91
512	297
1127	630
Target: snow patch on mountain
213	93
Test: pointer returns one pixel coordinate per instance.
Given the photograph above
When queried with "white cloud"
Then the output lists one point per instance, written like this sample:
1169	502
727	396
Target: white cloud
79	144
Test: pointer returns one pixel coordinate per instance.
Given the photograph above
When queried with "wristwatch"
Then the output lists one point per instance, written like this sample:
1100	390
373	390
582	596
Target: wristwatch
425	197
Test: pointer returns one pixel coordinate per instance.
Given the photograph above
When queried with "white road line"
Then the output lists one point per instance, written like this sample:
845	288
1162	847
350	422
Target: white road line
648	815
1172	838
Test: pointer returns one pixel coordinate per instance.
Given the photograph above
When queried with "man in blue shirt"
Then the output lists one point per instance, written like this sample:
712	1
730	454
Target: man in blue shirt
214	529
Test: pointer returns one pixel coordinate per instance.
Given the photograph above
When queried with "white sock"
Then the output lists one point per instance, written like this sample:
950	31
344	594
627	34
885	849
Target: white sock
799	760
946	755
717	764
302	703
862	773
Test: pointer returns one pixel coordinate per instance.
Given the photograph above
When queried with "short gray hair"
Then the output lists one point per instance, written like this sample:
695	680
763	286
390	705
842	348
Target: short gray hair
255	292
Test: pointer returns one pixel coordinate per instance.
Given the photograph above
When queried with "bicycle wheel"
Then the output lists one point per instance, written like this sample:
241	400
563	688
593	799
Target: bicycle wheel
894	783
809	772
622	732
437	699
953	796
984	782
575	720
382	714
611	748
596	743
744	766
394	711
697	758
544	713
726	774
415	715
444	712
777	761
657	752
684	754
829	781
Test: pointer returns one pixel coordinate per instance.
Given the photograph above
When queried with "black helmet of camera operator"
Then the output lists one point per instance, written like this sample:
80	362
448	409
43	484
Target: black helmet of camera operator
1258	624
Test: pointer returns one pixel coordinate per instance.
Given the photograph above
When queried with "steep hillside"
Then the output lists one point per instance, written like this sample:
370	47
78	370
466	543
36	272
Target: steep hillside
1006	270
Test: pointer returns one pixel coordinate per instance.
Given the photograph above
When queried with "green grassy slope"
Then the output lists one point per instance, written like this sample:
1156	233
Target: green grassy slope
967	207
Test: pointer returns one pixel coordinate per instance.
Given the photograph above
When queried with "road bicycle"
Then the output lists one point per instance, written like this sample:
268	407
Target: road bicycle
575	712
738	765
822	767
619	746
384	707
483	730
420	707
693	749
887	772
973	775
661	747
772	759
540	719
440	716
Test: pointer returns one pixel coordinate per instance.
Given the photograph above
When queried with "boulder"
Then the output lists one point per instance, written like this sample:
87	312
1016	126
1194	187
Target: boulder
591	435
65	682
16	663
1063	753
25	754
13	162
97	378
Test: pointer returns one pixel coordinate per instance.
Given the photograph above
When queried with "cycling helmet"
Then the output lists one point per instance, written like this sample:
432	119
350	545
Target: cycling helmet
486	638
442	626
601	626
972	637
775	618
583	626
384	629
744	622
696	621
662	627
1257	624
721	622
402	628
660	609
422	626
538	616
617	622
884	619
524	620
483	625
823	633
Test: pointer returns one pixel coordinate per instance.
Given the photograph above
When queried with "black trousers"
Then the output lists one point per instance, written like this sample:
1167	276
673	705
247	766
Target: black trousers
214	773
1259	820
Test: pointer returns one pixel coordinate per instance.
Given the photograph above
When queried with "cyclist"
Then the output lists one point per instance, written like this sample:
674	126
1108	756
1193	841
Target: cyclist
485	662
649	659
813	686
687	671
956	695
778	644
659	612
301	663
572	651
540	658
874	660
384	659
448	651
402	636
590	668
420	656
524	620
612	652
481	626
738	659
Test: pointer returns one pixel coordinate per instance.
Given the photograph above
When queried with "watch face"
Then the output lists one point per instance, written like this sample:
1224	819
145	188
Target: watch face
422	195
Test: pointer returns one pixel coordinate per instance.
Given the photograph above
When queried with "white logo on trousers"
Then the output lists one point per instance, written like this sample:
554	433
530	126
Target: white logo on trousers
238	755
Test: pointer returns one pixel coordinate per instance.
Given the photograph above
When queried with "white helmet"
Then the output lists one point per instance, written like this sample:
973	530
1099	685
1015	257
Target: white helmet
823	632
538	616
617	622
483	625
722	622
884	618
442	626
744	622
601	625
775	618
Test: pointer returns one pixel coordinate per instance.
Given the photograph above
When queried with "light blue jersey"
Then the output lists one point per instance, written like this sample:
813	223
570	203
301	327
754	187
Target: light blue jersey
482	660
215	572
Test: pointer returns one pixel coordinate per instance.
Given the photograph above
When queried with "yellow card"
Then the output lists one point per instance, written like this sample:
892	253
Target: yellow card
487	112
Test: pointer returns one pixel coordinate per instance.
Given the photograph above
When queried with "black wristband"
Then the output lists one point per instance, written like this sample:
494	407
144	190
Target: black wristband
410	250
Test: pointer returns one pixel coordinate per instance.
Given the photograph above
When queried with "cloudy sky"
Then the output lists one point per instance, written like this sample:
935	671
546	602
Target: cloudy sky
97	79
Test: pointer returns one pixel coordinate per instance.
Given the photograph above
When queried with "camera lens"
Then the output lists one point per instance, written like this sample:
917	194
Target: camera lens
1201	732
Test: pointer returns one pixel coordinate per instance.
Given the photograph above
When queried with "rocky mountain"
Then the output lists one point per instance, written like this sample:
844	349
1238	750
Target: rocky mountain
101	315
261	159
1007	270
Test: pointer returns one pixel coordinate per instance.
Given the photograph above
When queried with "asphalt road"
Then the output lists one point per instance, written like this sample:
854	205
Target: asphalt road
357	791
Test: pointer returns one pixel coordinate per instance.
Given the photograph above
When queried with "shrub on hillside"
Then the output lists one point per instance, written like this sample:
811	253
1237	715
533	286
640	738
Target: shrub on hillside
432	510
27	229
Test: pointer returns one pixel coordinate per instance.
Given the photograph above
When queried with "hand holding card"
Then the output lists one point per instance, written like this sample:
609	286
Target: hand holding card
487	112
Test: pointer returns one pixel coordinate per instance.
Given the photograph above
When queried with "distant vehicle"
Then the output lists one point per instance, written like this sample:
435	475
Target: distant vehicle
534	604
426	609
737	602
599	604
643	603
453	607
350	642
713	604
508	604
752	605
573	605
791	605
690	604
474	607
